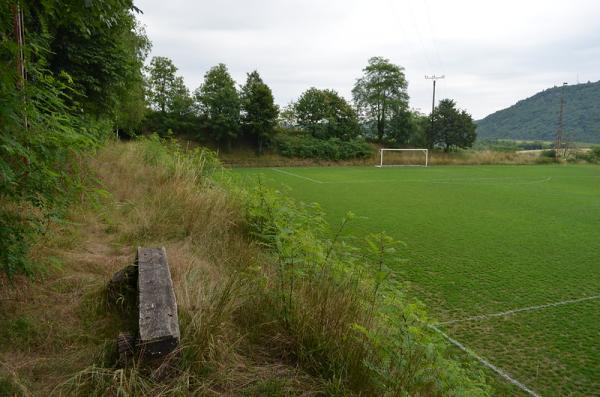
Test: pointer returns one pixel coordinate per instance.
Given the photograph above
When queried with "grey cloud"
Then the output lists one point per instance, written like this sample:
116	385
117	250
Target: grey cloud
491	61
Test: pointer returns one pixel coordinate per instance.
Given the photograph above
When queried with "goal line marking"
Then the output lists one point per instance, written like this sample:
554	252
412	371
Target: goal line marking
297	176
522	309
485	362
467	181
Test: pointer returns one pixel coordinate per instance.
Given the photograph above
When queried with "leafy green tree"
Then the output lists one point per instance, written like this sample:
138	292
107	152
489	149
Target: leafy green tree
452	128
407	128
97	43
325	114
259	112
166	91
218	102
180	103
287	117
380	94
171	106
131	104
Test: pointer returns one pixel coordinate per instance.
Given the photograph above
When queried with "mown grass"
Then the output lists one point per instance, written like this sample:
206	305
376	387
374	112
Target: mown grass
482	240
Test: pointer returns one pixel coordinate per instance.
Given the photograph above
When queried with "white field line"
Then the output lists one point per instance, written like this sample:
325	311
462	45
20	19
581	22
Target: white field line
468	181
522	309
486	363
296	175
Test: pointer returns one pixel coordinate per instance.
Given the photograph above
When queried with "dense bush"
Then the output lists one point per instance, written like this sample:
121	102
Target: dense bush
550	153
39	168
305	146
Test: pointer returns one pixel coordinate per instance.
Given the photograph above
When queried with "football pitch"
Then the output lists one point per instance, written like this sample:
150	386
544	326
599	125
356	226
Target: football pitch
507	258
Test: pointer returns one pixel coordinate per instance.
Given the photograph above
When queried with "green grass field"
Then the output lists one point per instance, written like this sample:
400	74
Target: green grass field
484	240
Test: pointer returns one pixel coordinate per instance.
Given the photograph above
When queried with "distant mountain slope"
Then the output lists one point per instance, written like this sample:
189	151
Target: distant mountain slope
536	118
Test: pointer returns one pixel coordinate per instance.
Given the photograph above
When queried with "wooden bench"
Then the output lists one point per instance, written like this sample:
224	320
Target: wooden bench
158	333
146	290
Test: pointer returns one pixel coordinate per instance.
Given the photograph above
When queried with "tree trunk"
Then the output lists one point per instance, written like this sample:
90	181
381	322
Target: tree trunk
380	129
260	145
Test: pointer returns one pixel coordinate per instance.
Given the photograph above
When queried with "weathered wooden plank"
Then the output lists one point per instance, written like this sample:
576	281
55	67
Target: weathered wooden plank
158	321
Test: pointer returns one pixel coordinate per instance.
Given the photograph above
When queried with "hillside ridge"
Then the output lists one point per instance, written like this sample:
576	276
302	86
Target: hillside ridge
536	117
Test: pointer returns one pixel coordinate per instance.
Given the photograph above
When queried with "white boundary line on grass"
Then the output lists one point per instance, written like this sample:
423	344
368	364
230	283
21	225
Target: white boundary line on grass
522	309
485	362
473	181
296	175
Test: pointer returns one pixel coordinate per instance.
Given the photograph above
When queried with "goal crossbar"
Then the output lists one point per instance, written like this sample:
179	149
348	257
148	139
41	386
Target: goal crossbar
381	151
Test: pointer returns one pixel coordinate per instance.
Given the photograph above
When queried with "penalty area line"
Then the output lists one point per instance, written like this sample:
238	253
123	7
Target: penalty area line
522	309
485	362
297	176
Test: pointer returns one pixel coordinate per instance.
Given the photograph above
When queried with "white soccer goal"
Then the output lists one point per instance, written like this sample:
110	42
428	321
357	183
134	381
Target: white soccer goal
410	157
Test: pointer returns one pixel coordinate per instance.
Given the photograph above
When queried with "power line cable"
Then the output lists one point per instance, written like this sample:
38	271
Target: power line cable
432	34
418	32
406	33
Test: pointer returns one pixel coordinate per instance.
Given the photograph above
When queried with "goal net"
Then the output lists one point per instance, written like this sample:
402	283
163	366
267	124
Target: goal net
403	157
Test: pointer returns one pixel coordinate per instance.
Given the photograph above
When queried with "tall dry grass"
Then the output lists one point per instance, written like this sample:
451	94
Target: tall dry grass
163	197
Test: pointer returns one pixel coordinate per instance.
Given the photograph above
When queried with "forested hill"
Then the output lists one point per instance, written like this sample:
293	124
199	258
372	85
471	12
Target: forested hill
536	118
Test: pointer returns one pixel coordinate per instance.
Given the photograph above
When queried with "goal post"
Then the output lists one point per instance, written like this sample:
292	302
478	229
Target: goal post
417	157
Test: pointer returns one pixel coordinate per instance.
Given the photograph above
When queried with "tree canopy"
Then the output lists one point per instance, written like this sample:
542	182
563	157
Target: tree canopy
325	114
259	112
452	128
218	102
380	95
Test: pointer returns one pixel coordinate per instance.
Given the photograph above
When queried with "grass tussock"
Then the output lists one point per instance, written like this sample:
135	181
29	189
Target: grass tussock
272	301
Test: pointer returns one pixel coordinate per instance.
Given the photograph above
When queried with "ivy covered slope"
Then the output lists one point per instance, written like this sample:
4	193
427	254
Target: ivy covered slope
536	118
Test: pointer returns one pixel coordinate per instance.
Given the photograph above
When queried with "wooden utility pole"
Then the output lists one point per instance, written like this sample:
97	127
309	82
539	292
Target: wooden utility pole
560	130
434	78
18	33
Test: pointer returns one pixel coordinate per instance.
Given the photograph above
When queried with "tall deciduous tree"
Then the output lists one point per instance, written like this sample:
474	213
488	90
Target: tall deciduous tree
325	114
97	43
169	99
218	102
451	127
259	112
161	83
380	94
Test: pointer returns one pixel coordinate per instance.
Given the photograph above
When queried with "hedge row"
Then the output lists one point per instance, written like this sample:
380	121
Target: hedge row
305	146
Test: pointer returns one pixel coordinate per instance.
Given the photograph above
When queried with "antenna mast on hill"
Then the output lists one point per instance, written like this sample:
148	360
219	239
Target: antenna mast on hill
560	131
434	78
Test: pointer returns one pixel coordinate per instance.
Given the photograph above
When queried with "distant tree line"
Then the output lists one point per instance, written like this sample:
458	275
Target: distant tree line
226	114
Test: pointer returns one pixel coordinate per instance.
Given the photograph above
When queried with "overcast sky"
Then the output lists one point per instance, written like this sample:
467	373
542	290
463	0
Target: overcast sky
492	52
